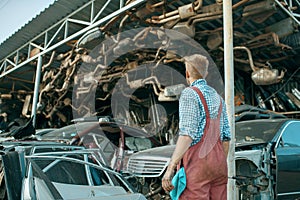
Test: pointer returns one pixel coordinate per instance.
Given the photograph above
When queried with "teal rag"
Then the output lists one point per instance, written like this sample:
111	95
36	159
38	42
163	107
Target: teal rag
179	183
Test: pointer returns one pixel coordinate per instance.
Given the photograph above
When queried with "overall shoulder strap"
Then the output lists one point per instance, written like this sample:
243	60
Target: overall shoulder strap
203	101
205	108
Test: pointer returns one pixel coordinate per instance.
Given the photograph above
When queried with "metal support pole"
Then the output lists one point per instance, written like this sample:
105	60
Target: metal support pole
36	89
229	92
121	3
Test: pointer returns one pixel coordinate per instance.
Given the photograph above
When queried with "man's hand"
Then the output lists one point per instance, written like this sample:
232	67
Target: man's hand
183	143
167	180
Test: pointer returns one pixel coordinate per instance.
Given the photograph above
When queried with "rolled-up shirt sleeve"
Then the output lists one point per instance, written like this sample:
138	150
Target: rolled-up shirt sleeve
225	128
189	112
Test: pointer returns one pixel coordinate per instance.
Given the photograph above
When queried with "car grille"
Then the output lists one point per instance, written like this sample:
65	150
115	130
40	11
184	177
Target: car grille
146	167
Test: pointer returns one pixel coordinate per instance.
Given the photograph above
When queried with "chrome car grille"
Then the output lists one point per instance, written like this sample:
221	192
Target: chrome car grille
146	167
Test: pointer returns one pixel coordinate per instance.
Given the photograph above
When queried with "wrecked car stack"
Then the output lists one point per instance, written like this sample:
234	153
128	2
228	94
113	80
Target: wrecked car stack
45	170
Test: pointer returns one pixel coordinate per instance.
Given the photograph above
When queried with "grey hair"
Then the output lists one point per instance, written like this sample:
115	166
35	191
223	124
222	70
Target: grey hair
199	63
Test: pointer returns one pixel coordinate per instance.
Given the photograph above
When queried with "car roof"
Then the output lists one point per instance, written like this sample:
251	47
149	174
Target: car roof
277	120
102	128
248	112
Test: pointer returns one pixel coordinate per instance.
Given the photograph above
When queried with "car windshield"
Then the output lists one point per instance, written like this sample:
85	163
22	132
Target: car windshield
65	171
135	139
256	131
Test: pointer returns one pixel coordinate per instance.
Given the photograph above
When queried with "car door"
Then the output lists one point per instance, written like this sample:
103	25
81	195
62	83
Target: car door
288	161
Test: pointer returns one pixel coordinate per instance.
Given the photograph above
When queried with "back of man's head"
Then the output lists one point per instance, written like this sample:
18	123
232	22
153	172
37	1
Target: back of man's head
197	65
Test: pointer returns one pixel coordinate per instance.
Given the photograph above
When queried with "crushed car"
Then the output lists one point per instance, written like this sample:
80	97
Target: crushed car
48	170
117	141
266	158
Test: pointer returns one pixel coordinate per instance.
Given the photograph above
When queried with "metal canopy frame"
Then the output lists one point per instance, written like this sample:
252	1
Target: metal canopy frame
63	26
289	8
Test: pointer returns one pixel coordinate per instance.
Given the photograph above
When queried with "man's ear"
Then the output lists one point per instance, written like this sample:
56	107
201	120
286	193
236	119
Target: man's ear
187	74
205	75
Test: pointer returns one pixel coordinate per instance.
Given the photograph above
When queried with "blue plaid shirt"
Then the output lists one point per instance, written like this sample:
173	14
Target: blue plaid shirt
192	114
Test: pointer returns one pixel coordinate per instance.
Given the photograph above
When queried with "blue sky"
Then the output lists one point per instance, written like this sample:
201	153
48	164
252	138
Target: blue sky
16	13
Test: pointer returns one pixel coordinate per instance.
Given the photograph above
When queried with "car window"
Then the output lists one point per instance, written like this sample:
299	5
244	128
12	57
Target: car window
92	139
109	148
290	136
138	144
65	172
256	131
68	172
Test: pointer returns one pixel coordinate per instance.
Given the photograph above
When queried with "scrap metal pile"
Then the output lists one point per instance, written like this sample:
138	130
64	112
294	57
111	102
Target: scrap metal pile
144	65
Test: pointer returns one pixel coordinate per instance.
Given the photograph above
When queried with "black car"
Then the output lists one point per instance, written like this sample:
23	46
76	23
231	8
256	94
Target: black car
268	159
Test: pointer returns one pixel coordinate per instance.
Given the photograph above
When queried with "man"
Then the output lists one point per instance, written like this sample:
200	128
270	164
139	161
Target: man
204	136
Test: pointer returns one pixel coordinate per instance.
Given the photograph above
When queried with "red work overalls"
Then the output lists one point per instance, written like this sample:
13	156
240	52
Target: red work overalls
205	163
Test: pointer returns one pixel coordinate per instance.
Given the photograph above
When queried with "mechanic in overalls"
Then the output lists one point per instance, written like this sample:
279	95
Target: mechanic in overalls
204	136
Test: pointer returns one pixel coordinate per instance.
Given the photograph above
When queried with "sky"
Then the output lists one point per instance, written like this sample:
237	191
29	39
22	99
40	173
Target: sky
16	13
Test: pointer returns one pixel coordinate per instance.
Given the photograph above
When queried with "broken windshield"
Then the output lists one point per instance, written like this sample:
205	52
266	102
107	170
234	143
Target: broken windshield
256	131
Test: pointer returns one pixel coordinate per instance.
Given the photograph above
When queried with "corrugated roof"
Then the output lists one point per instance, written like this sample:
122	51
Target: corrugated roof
33	34
51	15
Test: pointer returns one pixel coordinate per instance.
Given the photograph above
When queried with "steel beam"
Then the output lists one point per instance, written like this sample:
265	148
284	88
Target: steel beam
36	89
229	92
48	45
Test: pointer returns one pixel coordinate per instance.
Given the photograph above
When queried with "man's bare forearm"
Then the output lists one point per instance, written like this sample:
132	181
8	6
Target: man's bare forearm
226	147
183	143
